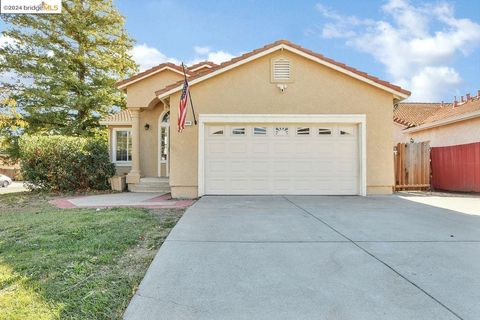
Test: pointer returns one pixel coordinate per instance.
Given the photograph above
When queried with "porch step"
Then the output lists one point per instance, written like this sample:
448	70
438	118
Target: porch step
151	184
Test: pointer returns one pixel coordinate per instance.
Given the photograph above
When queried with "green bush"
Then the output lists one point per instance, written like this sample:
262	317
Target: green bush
60	163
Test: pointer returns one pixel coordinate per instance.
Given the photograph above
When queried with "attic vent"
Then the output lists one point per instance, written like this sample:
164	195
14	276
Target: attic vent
281	70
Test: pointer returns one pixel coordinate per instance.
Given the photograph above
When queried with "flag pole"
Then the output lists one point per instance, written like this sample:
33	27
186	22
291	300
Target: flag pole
189	95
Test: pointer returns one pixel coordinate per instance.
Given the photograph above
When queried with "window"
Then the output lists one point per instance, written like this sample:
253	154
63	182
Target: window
324	131
260	131
122	146
281	70
164	137
216	131
346	131
238	131
303	131
281	131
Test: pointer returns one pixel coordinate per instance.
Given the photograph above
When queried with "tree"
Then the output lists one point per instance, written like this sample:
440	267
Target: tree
11	126
65	66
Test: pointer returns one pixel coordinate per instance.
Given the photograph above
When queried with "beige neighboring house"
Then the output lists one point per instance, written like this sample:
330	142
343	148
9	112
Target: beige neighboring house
280	119
442	124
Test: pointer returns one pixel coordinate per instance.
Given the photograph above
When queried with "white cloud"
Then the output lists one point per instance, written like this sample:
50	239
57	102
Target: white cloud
416	44
206	53
202	50
147	57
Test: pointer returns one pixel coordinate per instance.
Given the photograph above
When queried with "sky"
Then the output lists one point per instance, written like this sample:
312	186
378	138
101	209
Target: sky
431	47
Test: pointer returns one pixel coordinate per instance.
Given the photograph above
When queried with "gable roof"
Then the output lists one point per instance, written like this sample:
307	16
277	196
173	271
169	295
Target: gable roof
420	116
202	65
284	44
150	72
119	118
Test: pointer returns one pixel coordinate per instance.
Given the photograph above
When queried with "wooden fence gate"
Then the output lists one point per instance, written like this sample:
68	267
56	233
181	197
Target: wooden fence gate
412	166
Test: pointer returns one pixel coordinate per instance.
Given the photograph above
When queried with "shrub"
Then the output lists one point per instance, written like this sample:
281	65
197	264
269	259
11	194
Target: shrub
60	163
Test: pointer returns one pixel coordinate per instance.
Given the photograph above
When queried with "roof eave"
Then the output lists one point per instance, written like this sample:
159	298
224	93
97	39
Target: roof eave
115	123
126	84
439	123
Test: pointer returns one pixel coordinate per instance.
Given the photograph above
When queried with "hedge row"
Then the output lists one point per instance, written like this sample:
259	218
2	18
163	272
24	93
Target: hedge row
60	163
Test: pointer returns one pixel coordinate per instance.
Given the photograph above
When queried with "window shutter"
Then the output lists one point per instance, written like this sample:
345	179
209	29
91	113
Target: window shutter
281	70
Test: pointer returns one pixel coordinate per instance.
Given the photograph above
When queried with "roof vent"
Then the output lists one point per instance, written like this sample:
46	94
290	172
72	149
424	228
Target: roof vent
281	70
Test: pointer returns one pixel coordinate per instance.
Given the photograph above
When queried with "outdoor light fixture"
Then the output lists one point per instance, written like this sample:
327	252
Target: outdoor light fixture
146	126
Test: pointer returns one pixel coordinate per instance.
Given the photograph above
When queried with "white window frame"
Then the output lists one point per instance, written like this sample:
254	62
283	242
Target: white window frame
114	146
357	119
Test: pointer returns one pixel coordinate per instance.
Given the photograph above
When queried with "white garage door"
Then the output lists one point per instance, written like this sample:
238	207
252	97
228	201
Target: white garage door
282	159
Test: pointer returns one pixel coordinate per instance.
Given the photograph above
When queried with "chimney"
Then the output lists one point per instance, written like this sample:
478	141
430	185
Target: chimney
455	102
468	96
462	99
478	94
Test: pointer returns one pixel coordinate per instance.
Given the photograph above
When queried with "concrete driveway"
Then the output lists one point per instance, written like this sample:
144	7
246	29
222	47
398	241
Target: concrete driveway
305	257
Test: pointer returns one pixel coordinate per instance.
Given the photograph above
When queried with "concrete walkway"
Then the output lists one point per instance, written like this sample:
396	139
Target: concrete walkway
124	199
307	257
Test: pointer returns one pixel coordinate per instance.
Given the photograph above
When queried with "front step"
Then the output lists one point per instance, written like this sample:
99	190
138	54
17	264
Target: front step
151	184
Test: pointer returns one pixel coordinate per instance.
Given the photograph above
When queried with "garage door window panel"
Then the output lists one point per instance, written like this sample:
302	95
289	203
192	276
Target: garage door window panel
325	131
259	131
281	131
238	131
303	131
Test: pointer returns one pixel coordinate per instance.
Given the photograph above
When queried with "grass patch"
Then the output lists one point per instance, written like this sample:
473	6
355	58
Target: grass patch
74	263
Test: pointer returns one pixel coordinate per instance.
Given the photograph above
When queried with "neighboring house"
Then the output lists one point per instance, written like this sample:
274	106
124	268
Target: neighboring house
442	124
453	133
277	120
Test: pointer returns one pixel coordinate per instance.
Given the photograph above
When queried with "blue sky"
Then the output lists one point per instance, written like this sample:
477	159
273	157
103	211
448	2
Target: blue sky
430	48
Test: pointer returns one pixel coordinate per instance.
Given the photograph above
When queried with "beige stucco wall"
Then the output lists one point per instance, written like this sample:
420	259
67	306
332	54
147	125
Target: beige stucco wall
141	94
398	135
149	140
463	132
316	90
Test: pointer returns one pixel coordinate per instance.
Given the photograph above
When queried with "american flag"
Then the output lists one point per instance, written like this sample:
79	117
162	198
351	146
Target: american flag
182	107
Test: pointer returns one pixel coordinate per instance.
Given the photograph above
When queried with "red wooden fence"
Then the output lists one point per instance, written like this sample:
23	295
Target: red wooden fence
456	168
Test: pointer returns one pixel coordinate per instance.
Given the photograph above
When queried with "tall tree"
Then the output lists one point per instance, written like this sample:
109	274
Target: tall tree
65	65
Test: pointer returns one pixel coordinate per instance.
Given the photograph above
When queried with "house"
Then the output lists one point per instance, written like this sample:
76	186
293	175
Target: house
453	133
280	119
442	124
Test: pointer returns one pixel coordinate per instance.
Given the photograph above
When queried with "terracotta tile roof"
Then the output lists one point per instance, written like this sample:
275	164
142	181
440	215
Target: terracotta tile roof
290	44
152	70
202	63
412	114
120	118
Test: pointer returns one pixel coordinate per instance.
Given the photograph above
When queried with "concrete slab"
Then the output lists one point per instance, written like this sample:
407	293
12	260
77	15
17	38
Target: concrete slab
275	219
391	218
201	280
292	258
16	186
124	199
449	271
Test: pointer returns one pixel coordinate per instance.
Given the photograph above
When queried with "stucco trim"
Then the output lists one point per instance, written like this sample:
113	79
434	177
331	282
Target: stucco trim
126	84
396	93
359	119
443	122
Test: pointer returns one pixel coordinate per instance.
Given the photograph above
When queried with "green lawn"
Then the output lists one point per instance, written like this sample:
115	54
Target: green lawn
74	263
